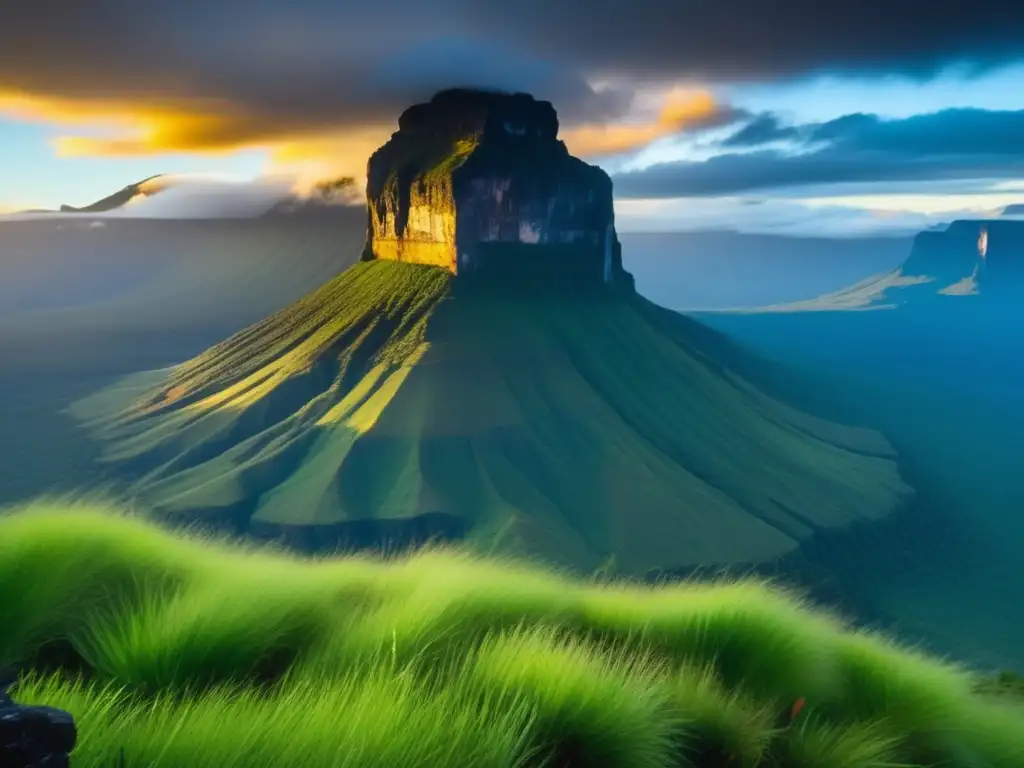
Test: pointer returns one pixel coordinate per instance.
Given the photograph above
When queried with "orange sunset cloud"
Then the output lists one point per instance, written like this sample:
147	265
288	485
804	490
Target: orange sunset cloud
306	153
126	129
681	109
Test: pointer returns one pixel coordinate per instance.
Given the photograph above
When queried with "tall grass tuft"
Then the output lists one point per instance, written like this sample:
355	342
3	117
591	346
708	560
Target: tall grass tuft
204	653
588	710
360	722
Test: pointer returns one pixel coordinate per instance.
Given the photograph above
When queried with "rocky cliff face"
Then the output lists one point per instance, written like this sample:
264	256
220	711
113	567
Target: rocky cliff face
970	265
986	257
477	182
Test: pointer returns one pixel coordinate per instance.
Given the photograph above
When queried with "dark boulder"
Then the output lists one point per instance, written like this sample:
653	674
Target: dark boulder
34	737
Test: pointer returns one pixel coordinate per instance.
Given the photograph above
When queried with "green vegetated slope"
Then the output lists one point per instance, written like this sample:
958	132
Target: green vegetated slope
180	651
576	428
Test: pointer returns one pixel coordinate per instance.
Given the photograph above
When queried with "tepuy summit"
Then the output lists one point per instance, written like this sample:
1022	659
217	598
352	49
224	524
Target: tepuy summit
478	182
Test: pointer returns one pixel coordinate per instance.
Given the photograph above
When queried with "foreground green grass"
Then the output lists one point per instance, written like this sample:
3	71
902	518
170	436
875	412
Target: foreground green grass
198	653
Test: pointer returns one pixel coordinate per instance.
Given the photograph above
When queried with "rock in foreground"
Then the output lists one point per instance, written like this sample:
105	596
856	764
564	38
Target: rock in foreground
34	737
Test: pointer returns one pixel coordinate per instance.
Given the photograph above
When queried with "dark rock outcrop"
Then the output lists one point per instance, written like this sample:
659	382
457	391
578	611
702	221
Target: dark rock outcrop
971	264
477	182
34	737
971	258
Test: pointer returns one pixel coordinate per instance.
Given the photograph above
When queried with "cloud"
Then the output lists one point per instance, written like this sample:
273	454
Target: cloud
195	75
184	196
310	151
330	155
252	52
272	90
771	217
682	110
318	84
763	129
125	129
319	123
196	197
949	145
949	132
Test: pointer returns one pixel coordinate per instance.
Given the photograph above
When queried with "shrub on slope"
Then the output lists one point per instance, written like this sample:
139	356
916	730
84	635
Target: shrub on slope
204	653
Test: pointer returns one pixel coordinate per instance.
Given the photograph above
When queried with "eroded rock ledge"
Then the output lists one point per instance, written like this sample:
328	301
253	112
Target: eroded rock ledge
477	182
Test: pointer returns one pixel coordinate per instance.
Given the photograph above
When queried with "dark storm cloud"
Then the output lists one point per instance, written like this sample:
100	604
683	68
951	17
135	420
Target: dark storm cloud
948	145
763	129
313	62
949	132
277	66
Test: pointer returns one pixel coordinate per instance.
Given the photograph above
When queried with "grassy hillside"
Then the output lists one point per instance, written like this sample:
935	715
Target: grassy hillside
81	306
581	429
188	652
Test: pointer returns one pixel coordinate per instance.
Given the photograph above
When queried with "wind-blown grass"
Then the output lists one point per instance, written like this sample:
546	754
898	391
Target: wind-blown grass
201	653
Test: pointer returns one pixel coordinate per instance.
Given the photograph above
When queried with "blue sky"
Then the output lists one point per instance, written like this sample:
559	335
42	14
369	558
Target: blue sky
891	113
825	97
34	176
868	204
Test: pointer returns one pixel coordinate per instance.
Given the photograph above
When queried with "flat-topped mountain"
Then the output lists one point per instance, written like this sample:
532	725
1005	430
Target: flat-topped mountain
477	182
969	264
581	427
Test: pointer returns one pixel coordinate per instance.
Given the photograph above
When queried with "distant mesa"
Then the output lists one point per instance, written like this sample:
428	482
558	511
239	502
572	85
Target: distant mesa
477	182
969	263
971	258
1017	209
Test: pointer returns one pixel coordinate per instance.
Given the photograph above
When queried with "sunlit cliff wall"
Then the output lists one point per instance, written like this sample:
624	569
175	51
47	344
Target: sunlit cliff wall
477	182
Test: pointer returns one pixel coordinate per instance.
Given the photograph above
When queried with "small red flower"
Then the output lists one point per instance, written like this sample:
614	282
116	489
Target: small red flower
797	706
